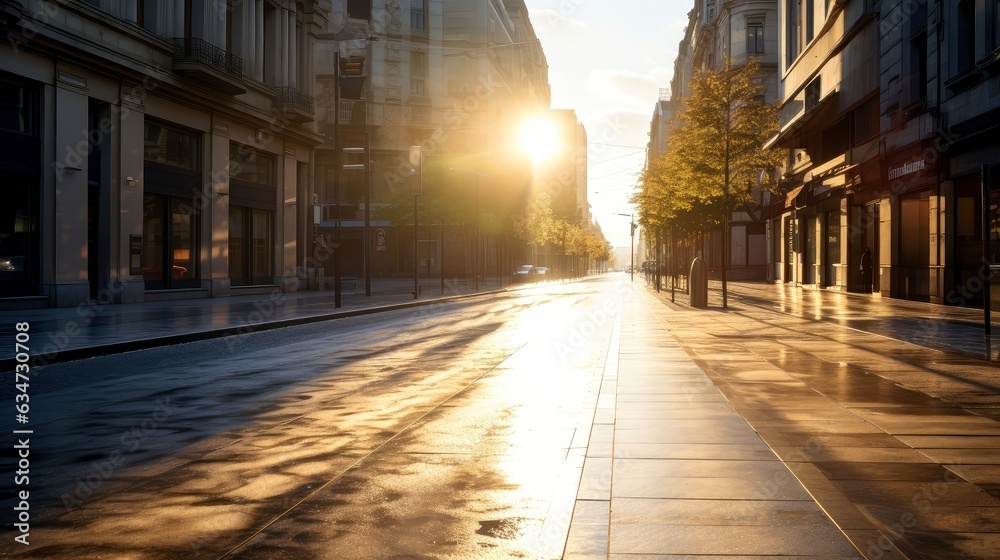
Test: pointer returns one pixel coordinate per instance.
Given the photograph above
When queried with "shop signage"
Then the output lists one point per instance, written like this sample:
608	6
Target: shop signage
907	168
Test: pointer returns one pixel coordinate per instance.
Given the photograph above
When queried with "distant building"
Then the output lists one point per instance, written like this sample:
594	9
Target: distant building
450	76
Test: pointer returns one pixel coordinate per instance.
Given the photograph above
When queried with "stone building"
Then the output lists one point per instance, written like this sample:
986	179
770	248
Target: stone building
154	149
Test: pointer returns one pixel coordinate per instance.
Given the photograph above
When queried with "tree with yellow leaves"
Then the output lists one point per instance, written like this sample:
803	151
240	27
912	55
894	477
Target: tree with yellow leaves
714	155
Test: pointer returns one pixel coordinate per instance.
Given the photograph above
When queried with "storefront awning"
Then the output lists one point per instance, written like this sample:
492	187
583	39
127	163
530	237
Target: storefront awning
790	197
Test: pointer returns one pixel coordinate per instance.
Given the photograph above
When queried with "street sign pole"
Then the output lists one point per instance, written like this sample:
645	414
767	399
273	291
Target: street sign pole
416	186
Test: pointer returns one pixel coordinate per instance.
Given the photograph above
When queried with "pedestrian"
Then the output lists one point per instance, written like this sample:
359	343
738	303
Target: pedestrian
867	267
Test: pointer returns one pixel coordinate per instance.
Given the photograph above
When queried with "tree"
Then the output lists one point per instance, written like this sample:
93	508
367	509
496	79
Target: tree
535	225
714	155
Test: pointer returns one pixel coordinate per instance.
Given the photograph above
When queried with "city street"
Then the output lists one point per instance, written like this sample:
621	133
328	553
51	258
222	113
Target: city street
583	420
454	430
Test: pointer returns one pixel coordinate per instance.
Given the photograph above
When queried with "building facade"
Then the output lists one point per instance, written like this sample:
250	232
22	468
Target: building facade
740	31
834	204
164	149
154	150
888	113
450	76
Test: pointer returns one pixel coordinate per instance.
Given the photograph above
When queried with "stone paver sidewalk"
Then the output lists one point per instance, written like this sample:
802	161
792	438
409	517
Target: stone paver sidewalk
675	471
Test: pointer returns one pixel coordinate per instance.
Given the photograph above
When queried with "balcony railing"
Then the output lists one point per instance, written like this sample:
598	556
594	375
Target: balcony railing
192	49
295	97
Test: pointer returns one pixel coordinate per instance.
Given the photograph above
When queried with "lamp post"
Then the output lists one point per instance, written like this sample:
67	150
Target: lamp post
475	263
351	74
631	246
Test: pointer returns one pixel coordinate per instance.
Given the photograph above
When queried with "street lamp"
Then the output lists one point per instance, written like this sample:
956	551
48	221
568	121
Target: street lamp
475	263
631	246
348	74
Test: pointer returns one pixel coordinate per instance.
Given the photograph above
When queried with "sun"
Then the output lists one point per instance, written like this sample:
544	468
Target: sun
539	138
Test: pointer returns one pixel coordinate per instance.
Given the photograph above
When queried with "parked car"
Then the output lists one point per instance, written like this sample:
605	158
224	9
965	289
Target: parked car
542	273
526	273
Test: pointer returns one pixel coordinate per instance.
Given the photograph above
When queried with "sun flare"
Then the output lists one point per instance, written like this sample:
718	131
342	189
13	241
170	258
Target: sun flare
539	138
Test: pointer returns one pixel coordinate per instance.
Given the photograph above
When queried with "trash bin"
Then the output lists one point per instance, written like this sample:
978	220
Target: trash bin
698	284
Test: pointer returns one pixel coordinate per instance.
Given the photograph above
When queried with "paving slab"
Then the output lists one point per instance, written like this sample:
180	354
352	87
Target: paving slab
688	476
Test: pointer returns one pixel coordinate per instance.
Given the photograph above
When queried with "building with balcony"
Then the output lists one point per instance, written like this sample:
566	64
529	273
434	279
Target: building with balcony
154	149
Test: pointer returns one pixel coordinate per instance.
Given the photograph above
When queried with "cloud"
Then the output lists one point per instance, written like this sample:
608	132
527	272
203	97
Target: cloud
549	19
626	86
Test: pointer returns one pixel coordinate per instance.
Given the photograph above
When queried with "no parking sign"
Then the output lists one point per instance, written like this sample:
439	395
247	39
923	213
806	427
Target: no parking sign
379	239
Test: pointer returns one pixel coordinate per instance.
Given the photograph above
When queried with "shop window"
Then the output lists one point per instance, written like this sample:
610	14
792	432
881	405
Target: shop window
170	242
833	237
20	167
251	246
252	206
18	108
18	236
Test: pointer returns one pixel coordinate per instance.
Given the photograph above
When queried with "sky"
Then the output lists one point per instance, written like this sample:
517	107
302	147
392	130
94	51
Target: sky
608	62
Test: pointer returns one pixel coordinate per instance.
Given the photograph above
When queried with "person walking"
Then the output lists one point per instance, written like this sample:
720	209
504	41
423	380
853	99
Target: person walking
867	267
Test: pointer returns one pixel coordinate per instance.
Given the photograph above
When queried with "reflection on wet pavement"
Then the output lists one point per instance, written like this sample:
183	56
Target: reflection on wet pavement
456	439
899	443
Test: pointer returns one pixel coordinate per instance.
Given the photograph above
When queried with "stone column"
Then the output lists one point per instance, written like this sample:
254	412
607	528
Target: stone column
131	161
215	235
69	285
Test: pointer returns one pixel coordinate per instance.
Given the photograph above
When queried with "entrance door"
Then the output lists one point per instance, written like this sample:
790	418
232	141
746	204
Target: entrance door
789	248
98	219
872	240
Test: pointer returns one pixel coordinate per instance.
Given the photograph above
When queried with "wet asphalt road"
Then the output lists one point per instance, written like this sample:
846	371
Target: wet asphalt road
445	431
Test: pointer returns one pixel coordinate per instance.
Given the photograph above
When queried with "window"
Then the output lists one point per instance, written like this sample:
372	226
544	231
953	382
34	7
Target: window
833	237
792	43
163	17
835	140
418	15
359	9
170	146
810	16
252	204
121	9
966	37
915	56
996	24
18	108
418	73
247	164
251	246
812	94
755	37
864	123
169	242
